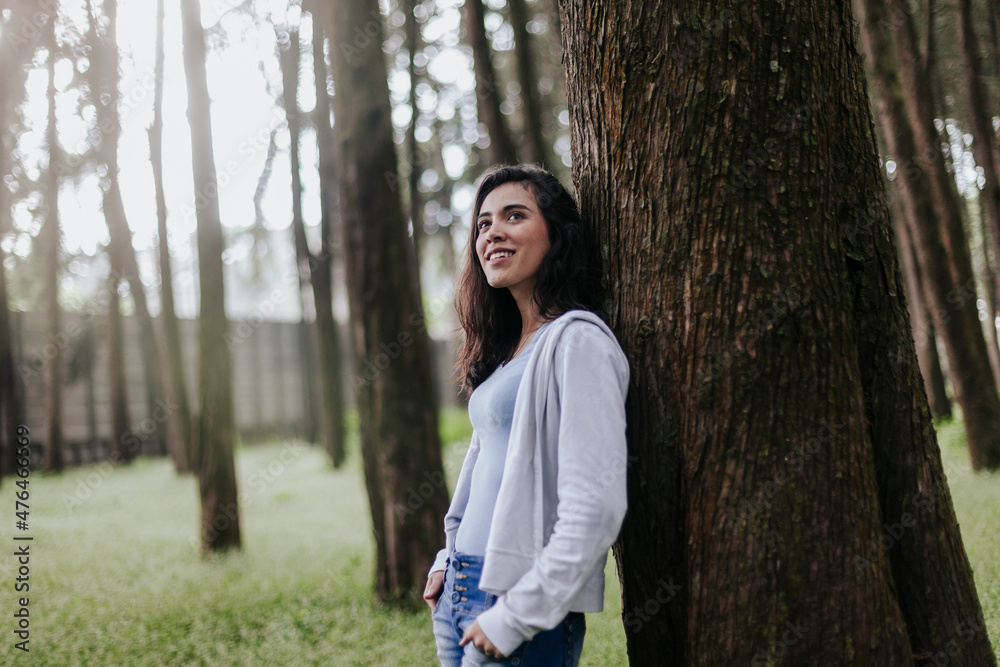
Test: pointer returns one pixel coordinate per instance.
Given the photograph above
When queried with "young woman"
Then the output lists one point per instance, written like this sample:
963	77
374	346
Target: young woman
541	495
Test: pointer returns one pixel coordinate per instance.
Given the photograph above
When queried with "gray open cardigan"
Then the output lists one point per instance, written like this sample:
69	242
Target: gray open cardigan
562	499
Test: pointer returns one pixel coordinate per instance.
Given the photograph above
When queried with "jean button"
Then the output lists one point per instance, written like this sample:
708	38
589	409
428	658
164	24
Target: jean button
455	597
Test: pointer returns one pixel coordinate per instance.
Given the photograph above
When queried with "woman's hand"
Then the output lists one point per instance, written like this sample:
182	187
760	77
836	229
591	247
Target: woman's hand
479	639
433	589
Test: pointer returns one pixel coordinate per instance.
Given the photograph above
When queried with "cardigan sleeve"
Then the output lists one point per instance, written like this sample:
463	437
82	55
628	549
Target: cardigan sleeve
591	374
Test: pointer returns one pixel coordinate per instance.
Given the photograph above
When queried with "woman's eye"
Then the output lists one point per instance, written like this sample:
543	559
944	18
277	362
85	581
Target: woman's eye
482	224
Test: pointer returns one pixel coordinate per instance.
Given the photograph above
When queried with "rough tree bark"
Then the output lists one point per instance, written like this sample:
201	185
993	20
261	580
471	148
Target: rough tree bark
220	527
502	148
180	431
931	201
400	444
778	431
331	363
50	243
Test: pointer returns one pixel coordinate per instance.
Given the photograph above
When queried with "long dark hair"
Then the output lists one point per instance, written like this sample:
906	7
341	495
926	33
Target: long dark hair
567	279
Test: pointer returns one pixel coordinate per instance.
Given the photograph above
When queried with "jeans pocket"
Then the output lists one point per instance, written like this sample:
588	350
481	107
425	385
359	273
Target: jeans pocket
486	658
516	657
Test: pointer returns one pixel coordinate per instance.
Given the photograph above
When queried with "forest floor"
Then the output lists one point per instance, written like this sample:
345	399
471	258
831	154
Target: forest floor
116	578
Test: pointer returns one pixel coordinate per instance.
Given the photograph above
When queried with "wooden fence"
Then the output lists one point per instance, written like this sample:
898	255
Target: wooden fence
269	389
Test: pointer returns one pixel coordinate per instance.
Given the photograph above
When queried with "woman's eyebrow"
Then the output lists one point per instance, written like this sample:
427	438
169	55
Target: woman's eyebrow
506	209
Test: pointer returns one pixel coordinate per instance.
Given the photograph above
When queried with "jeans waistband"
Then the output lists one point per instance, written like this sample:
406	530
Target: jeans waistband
461	561
462	584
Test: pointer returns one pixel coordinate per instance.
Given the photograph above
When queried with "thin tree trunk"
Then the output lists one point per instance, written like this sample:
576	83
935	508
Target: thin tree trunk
331	363
9	396
956	316
289	59
220	528
539	150
983	137
119	450
501	149
104	75
259	230
180	432
401	446
930	48
777	424
931	572
994	22
53	458
11	407
416	205
989	275
444	199
923	326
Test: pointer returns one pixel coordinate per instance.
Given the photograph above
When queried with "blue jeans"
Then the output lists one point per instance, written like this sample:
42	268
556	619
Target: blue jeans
462	601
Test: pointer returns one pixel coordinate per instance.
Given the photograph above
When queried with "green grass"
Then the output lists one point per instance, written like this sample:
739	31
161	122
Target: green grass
116	578
977	504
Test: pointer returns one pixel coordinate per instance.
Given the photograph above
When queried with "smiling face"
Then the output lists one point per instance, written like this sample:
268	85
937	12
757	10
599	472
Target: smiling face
510	221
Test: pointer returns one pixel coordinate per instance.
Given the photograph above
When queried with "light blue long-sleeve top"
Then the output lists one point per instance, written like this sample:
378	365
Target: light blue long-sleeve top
491	411
562	498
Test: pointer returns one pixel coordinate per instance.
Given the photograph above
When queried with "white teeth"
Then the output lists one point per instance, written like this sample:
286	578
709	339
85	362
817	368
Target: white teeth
502	253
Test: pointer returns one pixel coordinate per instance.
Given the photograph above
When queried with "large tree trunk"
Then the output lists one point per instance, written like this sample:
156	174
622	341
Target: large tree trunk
180	431
923	326
104	77
539	150
931	203
50	237
289	57
330	360
774	375
400	443
220	527
501	149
